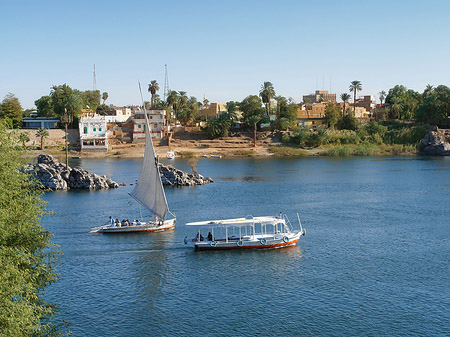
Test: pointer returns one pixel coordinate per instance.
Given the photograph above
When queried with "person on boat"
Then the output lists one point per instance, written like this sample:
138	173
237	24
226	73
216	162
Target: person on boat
118	224
210	237
199	237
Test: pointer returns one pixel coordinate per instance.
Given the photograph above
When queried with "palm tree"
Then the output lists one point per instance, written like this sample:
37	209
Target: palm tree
428	90
172	99
42	133
345	97
183	99
396	107
266	93
23	137
355	86
382	96
104	97
153	87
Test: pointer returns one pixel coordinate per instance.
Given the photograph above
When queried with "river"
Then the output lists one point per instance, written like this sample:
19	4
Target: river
374	261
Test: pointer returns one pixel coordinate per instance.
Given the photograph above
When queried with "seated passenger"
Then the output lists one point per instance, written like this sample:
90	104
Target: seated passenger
210	237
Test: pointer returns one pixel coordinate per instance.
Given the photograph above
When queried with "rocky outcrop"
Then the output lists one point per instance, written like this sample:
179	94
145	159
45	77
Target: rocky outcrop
54	175
437	142
174	177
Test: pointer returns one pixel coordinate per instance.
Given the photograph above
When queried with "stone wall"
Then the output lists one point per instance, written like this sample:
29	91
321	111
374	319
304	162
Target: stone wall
55	138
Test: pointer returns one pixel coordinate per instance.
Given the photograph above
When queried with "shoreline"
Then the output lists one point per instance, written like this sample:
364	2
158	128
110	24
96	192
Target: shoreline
197	149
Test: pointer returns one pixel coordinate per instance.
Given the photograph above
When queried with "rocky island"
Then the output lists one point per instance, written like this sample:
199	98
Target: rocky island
54	175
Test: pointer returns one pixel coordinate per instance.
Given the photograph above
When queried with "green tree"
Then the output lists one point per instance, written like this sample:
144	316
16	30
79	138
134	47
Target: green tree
102	109
44	106
332	113
266	93
407	101
435	108
232	108
345	97
24	139
219	126
104	97
172	100
396	107
355	86
153	87
252	113
11	110
42	133
382	95
27	255
64	97
182	99
348	122
286	116
91	98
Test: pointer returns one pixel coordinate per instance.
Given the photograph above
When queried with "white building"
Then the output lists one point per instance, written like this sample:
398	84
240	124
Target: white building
93	133
118	115
158	124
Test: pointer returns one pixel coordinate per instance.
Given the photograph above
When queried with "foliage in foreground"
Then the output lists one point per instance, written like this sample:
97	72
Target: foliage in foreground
27	256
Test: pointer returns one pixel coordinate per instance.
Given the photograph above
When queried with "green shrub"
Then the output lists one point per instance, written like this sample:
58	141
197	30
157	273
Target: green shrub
339	151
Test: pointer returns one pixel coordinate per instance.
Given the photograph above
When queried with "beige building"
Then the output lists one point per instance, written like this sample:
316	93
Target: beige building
158	124
320	96
213	110
311	115
368	102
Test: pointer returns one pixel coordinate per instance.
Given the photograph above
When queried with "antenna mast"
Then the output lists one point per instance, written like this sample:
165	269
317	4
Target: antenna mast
166	84
94	87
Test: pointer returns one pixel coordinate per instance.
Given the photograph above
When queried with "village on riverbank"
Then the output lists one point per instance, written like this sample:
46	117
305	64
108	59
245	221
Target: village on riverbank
405	122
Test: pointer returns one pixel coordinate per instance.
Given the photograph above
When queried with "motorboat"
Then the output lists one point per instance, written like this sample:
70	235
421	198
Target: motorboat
264	232
170	155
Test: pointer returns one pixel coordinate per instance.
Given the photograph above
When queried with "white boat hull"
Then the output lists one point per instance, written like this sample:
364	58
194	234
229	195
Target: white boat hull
259	242
144	227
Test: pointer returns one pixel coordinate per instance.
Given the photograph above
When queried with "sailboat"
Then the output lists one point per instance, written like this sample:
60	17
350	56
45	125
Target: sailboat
148	192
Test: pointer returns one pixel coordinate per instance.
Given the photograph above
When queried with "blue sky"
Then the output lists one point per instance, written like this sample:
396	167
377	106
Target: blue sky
222	50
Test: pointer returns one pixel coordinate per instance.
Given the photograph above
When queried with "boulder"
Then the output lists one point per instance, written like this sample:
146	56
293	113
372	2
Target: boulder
437	142
54	175
172	176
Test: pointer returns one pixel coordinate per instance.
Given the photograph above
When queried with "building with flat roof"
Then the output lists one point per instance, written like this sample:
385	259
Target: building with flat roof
213	110
320	96
368	102
93	133
158	124
40	123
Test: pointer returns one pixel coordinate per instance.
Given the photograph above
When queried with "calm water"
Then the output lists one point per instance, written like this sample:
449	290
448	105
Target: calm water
374	261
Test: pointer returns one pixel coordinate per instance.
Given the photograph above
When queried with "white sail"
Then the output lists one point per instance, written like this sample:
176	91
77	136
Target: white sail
149	190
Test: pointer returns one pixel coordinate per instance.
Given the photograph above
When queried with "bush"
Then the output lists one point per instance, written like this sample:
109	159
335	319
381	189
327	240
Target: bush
406	135
348	122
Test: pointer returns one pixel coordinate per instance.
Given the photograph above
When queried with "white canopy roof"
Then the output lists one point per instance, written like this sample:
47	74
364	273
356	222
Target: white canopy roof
238	222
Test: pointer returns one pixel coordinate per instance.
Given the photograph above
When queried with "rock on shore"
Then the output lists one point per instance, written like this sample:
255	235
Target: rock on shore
54	175
437	142
173	177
